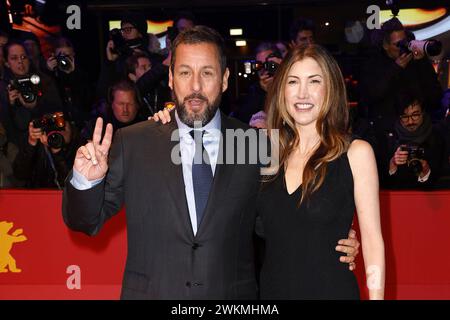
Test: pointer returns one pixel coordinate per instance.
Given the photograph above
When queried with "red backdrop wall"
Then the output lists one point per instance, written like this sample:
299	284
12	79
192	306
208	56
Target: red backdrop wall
415	229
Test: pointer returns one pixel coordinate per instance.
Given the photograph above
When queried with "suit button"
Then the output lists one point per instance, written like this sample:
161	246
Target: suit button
188	284
195	246
197	284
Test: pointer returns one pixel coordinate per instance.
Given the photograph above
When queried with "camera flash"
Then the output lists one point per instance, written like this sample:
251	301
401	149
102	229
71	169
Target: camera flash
35	79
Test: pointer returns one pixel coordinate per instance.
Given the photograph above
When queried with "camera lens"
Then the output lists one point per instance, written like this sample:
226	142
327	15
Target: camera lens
63	63
55	140
28	96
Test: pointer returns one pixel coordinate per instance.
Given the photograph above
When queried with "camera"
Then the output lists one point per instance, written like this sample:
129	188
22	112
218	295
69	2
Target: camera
28	87
430	47
52	124
415	154
253	66
63	62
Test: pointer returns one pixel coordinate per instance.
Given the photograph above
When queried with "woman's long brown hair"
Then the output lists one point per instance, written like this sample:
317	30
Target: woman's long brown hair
332	124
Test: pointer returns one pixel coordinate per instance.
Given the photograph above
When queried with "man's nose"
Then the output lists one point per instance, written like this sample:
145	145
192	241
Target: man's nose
196	84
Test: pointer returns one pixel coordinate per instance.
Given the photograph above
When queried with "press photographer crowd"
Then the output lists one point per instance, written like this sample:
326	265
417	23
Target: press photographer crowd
49	105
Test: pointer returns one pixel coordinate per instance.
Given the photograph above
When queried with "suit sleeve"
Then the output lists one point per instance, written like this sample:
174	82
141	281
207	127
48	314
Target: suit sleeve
87	210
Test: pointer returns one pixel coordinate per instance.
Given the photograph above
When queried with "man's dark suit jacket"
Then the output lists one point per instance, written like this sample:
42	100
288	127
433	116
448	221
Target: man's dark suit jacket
165	260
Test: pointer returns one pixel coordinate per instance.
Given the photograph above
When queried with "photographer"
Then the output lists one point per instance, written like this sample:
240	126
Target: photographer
121	109
266	52
33	48
47	157
392	69
73	83
415	150
152	81
302	32
24	93
131	38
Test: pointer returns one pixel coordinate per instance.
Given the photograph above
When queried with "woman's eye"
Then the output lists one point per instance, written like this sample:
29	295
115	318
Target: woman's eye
315	81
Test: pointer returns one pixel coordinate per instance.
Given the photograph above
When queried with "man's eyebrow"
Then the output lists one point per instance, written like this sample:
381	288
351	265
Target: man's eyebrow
187	66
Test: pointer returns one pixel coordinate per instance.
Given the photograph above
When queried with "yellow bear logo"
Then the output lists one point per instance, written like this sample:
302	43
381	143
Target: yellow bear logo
6	243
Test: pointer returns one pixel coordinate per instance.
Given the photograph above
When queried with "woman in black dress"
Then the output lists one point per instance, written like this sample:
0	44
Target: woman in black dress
323	176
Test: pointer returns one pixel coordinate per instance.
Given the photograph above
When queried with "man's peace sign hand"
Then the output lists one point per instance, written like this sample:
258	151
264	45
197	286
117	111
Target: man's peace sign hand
91	159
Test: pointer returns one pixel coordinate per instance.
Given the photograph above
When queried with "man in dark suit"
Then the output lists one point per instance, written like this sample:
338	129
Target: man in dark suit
190	226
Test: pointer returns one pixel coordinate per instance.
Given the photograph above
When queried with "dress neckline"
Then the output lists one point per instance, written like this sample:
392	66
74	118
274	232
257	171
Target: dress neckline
285	185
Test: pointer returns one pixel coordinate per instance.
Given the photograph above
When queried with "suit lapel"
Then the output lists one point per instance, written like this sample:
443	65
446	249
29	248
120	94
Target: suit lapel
174	179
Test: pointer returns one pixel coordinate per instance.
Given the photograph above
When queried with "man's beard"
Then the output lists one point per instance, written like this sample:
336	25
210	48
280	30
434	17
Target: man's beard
190	118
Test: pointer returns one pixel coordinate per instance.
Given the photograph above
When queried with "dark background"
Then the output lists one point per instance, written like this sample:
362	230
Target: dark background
260	20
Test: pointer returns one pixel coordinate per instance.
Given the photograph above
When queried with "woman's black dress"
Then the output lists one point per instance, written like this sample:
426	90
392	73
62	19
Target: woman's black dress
300	260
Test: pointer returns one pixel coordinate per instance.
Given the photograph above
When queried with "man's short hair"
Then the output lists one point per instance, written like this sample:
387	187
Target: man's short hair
132	62
264	46
389	27
136	19
124	85
63	42
299	25
198	35
9	44
187	15
4	34
407	98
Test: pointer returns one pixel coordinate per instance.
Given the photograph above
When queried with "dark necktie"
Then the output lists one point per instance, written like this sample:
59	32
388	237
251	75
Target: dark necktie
201	175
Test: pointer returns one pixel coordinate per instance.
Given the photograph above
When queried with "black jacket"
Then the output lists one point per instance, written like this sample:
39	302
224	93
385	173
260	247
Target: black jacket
16	118
382	80
252	103
154	89
165	259
76	93
33	164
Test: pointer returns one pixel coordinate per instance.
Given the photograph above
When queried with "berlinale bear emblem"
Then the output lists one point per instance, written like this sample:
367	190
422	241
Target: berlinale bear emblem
6	242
